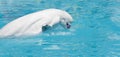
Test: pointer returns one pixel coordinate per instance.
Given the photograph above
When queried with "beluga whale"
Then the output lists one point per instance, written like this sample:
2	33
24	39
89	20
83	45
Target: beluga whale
33	24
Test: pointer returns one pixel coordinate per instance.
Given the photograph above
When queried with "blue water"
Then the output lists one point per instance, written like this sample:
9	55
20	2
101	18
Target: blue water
95	31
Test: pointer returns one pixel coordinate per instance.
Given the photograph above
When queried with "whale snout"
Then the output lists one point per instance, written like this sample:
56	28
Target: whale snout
68	25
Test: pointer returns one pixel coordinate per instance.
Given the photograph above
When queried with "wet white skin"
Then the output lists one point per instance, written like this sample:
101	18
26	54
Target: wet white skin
32	24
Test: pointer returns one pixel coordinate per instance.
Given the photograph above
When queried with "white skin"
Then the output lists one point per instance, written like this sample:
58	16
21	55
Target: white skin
32	24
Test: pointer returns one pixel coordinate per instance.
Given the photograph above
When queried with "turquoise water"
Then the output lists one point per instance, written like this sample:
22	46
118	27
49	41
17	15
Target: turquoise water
95	31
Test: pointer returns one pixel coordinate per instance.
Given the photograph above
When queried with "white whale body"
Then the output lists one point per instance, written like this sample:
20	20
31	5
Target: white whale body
32	24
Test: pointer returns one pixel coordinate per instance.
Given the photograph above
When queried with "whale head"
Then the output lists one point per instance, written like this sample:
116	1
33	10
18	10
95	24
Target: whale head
66	20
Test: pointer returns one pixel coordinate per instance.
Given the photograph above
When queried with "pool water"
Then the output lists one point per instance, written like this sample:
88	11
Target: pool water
95	31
